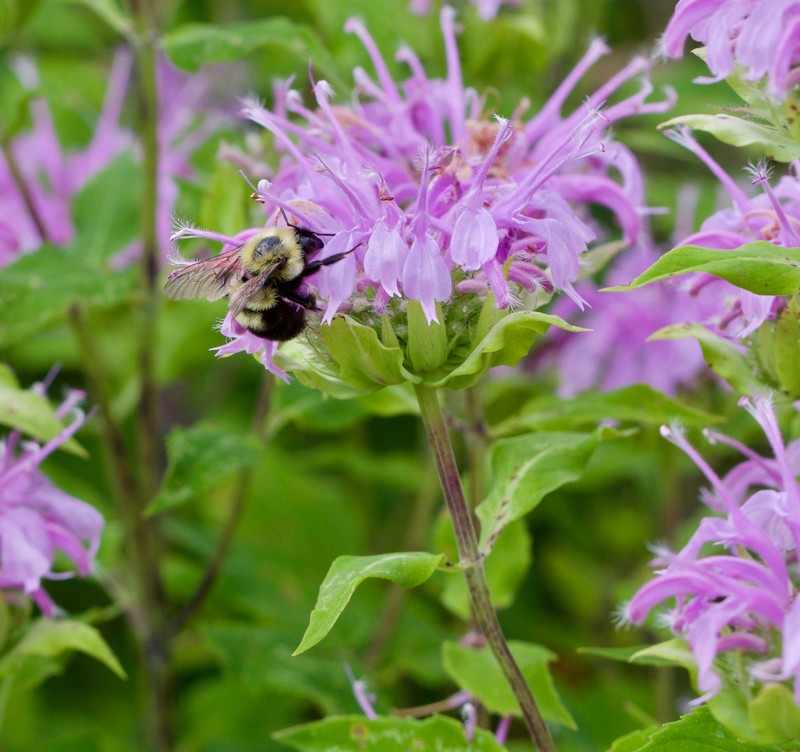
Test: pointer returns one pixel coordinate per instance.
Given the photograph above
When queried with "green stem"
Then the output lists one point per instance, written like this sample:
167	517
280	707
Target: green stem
5	692
261	431
472	564
22	186
156	643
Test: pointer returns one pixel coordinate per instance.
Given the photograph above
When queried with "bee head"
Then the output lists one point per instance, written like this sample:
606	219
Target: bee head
267	247
309	241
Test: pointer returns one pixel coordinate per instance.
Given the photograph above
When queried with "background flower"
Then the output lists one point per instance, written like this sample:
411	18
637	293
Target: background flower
762	36
734	584
37	519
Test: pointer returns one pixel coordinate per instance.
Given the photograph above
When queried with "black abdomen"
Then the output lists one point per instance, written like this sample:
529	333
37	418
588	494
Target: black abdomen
282	322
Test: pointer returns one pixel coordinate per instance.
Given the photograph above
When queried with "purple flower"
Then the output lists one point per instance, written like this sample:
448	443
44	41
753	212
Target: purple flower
772	216
37	201
37	519
616	352
741	593
437	199
38	210
761	36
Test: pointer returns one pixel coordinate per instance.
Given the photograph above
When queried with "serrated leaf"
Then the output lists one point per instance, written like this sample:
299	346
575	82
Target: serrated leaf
359	734
52	637
723	357
738	131
699	732
527	468
637	403
31	413
477	672
200	458
348	572
760	267
193	45
505	344
633	741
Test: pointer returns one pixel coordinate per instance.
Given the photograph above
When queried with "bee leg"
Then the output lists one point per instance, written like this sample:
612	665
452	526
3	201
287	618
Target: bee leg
309	302
316	265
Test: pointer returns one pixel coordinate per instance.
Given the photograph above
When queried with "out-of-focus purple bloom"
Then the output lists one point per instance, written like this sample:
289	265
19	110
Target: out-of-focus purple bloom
745	595
40	211
772	216
437	199
37	519
616	352
761	36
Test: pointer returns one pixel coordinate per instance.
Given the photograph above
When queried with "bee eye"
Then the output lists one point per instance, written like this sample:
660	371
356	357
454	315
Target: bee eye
265	246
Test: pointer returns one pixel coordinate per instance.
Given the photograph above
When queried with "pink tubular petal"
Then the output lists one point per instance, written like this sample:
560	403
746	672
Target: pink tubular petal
426	277
474	240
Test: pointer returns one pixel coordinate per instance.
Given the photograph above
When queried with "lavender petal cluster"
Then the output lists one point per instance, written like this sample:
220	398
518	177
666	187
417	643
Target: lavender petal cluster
734	585
762	37
437	199
772	215
38	519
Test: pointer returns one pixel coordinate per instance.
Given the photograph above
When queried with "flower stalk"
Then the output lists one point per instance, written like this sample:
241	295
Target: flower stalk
472	563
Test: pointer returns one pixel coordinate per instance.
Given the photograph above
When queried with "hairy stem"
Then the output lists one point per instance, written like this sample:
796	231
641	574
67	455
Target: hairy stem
472	563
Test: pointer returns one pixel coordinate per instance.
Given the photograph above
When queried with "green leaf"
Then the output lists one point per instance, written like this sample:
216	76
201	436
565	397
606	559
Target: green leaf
199	459
637	404
787	349
348	572
52	637
477	672
107	211
699	732
193	45
774	715
506	569
737	131
245	649
634	741
760	267
382	734
427	342
26	411
527	468
37	290
505	344
111	12
360	358
675	652
723	357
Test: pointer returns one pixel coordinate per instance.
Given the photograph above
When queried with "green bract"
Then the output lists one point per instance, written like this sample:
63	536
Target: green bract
349	358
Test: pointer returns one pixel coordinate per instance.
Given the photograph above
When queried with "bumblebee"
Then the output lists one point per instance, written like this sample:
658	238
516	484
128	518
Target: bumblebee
263	279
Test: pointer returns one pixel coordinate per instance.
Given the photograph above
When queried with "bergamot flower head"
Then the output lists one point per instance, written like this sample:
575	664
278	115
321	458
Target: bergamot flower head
733	586
38	519
442	204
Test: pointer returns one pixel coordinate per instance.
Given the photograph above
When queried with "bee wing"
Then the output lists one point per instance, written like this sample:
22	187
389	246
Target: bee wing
243	294
210	279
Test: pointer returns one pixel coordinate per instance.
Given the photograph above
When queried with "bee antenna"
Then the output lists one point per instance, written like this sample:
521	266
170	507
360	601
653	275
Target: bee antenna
303	229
